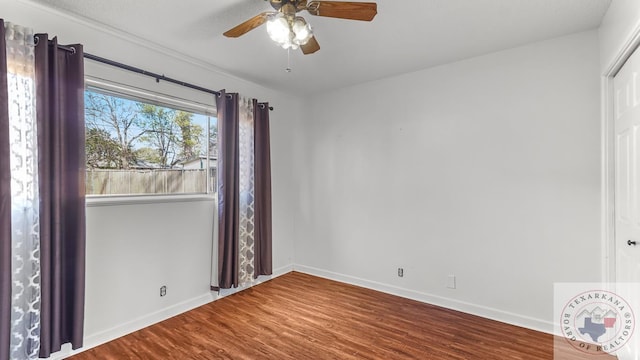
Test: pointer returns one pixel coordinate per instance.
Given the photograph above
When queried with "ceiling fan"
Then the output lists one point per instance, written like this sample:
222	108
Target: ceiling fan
291	31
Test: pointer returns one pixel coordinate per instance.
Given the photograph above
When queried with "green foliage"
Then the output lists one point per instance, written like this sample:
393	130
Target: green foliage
148	155
161	131
102	151
171	132
190	135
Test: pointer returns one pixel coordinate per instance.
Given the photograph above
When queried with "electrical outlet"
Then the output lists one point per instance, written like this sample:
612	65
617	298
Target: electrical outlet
400	272
163	290
451	281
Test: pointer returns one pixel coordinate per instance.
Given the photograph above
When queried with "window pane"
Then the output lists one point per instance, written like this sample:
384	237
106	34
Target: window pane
135	147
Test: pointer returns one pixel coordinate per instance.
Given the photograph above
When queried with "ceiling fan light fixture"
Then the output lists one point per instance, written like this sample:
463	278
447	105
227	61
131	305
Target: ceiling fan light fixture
292	32
278	29
302	31
286	33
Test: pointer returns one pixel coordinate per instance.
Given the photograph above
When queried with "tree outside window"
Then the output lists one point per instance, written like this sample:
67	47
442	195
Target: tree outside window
133	147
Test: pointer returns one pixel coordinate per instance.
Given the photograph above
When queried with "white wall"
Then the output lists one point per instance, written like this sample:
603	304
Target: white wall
487	169
133	249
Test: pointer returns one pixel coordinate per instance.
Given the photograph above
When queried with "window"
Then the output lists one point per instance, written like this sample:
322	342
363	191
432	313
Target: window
140	143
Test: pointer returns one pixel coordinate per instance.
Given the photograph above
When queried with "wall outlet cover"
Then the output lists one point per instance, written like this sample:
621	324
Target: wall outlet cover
451	281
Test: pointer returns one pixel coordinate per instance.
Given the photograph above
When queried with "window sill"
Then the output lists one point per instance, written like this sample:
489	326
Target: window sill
93	201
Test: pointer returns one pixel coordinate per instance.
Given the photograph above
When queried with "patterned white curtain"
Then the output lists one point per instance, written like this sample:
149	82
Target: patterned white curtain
247	192
25	264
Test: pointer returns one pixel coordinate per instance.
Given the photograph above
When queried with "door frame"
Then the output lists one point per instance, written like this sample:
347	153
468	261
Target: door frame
608	155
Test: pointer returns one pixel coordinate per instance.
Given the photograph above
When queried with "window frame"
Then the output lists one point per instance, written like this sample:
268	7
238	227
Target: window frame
134	93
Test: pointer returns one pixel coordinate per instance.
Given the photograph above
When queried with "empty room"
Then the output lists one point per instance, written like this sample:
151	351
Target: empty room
291	179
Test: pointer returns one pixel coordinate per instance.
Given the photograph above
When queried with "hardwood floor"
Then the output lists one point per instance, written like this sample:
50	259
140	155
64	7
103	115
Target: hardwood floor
298	316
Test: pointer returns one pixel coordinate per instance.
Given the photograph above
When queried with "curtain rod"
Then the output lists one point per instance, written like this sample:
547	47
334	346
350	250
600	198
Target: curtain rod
134	69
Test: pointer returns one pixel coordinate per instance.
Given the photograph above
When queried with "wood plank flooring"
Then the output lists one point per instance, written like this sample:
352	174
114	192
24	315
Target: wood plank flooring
298	316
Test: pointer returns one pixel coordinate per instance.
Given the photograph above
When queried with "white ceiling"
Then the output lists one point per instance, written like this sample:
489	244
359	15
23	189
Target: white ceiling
405	36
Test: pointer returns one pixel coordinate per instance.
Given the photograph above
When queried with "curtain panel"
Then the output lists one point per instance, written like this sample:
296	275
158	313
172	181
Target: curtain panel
23	159
262	146
228	193
42	223
246	240
244	191
61	137
5	206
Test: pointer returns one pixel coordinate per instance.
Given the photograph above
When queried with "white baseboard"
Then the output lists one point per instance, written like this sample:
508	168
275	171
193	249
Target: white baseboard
105	336
466	307
277	272
93	340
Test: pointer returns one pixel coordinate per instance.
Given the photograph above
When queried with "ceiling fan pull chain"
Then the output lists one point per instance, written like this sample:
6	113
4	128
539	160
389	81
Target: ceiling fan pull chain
288	69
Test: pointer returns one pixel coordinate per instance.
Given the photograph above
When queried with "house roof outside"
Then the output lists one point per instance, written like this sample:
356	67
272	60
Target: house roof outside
199	162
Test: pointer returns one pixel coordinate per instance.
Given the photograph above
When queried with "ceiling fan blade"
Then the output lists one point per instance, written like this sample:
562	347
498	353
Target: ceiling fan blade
364	11
310	47
247	26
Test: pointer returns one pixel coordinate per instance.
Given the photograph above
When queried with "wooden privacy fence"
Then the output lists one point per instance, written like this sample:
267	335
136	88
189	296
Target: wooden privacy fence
156	181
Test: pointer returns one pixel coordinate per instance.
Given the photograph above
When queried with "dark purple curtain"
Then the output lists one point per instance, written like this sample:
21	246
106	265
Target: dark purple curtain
228	189
60	118
262	176
5	206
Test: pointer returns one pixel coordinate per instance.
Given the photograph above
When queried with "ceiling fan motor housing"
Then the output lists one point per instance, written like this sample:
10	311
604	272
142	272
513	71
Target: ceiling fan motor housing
289	7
